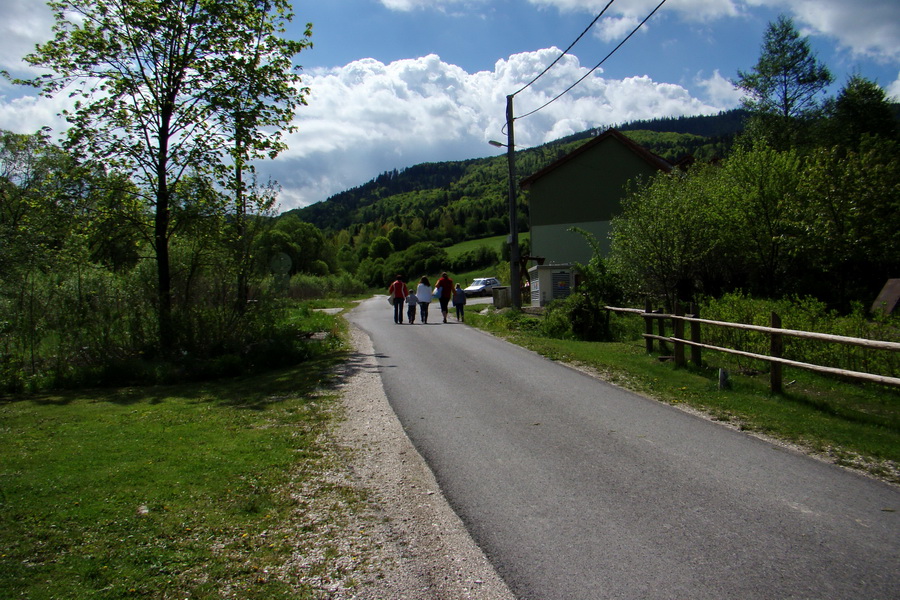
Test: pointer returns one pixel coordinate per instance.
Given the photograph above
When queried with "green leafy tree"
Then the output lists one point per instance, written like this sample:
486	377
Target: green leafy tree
399	238
760	185
381	247
599	287
422	258
301	241
673	237
861	108
46	199
783	87
163	88
851	218
348	258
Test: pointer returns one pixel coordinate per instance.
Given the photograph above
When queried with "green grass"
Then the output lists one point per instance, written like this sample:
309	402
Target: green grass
495	242
501	271
854	424
200	491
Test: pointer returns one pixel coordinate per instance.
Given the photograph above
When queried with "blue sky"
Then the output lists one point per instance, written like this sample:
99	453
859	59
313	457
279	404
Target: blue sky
399	82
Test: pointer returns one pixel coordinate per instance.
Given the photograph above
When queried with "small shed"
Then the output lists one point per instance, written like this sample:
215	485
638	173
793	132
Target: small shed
550	282
888	299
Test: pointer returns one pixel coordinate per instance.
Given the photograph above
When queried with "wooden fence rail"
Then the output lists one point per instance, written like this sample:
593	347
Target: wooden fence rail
776	342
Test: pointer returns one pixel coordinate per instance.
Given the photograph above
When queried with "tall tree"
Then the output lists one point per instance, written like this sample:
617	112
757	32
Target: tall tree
783	88
674	235
154	80
861	108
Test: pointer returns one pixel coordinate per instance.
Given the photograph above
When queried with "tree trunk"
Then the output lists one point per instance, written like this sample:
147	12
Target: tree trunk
161	238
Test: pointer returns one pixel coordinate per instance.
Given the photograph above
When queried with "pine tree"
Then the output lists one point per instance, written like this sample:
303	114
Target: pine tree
784	86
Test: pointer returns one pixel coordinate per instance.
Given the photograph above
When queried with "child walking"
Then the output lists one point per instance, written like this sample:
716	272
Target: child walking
411	301
459	302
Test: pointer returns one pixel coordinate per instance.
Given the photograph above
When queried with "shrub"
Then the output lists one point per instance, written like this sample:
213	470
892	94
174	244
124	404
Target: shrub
479	258
805	314
308	287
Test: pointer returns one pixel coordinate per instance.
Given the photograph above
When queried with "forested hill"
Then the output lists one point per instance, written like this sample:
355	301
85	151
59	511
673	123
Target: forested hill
455	195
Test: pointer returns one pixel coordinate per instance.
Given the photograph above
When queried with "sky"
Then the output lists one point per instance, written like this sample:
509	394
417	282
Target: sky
395	83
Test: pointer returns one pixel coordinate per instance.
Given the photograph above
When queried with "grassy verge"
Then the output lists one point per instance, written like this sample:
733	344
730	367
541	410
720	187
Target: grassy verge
853	424
215	490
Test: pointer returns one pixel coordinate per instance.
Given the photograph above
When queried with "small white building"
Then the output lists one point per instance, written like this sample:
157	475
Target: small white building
550	282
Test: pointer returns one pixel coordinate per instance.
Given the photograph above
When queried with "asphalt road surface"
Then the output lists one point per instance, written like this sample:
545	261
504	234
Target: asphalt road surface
578	490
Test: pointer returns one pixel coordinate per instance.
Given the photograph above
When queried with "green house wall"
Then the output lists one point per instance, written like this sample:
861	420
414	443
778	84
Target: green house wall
585	191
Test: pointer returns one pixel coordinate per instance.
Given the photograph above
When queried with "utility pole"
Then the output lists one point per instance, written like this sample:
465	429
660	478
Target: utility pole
515	294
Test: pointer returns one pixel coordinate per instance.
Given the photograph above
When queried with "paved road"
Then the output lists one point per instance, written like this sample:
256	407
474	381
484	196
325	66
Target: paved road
576	489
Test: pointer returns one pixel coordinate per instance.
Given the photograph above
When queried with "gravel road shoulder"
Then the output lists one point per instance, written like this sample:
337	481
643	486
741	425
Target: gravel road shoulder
421	548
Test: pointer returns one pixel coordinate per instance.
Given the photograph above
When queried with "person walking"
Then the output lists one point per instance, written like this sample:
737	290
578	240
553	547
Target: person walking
459	303
411	302
423	293
398	293
445	293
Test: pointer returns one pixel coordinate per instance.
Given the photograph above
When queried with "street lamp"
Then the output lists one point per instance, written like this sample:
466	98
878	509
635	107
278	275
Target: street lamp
515	295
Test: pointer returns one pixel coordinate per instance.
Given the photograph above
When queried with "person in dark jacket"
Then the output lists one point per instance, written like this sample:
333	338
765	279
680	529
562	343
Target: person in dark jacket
459	302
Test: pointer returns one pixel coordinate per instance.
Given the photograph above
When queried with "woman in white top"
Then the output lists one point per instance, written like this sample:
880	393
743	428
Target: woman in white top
423	294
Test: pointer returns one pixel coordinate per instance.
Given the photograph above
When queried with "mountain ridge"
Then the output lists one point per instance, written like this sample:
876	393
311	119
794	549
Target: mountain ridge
467	198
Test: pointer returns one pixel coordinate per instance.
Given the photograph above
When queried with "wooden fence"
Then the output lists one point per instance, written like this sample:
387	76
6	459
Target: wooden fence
776	342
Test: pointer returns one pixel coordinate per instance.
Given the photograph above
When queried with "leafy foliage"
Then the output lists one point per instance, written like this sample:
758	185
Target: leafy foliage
860	109
804	314
772	223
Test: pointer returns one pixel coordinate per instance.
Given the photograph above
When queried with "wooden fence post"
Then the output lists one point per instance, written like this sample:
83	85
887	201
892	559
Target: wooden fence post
661	327
648	327
695	335
678	334
776	350
661	332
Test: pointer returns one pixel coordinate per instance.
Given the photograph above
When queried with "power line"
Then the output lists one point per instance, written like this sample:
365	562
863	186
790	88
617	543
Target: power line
558	58
597	66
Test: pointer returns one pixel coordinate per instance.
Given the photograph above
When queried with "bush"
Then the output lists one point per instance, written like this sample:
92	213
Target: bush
309	287
805	314
90	327
472	260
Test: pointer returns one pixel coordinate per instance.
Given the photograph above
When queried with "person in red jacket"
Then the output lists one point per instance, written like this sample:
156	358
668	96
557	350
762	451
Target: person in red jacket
398	293
445	284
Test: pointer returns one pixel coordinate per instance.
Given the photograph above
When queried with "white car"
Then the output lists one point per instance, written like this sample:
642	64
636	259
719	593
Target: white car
482	287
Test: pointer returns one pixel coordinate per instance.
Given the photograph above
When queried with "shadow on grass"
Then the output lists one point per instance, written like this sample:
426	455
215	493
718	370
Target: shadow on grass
310	378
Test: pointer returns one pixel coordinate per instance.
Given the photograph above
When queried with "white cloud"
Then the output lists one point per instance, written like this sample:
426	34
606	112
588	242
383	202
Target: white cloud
689	9
865	27
893	90
368	117
408	5
615	28
720	91
25	23
28	114
869	28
